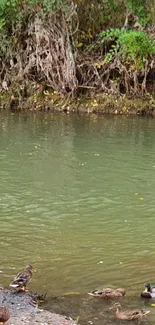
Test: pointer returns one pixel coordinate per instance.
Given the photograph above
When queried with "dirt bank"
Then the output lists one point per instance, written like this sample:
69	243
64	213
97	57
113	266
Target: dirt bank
22	312
100	104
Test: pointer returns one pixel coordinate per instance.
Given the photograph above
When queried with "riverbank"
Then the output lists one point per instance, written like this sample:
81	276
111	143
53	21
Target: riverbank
22	312
104	59
44	101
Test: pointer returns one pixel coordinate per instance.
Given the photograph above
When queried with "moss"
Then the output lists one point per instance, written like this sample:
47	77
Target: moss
45	100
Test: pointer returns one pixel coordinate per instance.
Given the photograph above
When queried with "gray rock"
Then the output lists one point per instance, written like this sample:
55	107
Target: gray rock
22	312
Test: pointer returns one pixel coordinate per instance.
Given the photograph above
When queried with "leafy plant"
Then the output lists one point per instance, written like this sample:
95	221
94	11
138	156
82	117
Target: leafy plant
136	46
130	45
14	11
49	5
140	9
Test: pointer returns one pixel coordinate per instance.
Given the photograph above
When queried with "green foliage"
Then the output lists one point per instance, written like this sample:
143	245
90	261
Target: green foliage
93	15
48	5
131	46
111	33
15	15
8	10
140	9
136	46
106	10
13	12
97	15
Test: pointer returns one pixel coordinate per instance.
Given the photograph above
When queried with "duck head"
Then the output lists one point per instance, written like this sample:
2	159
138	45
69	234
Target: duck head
116	306
148	287
121	290
147	293
30	268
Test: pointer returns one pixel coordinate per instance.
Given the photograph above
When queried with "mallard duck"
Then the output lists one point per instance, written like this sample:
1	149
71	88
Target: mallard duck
37	298
4	315
23	278
149	291
129	314
107	293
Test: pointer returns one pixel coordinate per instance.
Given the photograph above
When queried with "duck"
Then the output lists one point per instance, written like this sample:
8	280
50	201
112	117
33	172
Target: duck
108	293
129	314
22	279
37	298
149	291
4	314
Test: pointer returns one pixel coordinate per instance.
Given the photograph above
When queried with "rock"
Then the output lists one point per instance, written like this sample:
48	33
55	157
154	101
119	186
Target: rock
23	312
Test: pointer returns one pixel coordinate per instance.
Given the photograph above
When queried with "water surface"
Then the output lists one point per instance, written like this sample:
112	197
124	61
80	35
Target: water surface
77	200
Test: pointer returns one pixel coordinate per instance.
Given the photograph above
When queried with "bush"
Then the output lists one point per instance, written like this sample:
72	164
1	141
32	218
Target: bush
130	45
13	11
136	46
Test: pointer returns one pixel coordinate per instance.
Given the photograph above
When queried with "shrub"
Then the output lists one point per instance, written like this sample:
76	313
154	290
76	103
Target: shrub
130	45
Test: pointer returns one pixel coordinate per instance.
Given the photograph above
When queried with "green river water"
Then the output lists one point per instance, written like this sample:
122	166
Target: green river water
77	201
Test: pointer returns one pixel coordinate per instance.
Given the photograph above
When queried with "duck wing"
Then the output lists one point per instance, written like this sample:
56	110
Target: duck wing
21	279
145	311
100	292
136	313
153	289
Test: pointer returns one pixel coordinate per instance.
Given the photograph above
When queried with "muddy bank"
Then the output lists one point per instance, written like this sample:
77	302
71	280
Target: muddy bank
44	101
22	312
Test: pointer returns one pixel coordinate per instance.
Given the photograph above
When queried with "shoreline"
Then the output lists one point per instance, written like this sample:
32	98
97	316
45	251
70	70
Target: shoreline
100	104
22	312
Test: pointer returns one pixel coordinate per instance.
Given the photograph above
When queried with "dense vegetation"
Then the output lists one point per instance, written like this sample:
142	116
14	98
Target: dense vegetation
77	47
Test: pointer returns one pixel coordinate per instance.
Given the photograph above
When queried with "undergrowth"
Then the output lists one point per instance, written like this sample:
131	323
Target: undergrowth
77	47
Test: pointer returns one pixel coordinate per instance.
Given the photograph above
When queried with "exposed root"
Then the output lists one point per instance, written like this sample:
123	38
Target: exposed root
45	53
114	77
